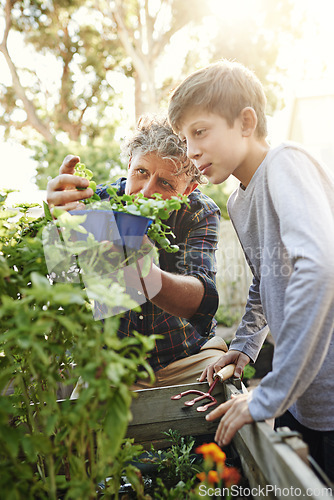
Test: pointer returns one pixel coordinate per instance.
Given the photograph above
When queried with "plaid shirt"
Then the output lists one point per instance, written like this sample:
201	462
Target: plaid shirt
196	230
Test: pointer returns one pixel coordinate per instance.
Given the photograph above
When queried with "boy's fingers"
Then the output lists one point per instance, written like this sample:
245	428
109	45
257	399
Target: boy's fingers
238	370
203	375
219	411
235	415
68	165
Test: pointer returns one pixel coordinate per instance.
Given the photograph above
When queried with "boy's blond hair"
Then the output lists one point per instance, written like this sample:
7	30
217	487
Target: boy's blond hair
224	88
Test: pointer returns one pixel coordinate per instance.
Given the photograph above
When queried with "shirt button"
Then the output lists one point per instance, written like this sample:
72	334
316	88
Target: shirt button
141	317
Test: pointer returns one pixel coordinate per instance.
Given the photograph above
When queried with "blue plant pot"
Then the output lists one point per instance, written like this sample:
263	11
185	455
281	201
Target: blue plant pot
119	227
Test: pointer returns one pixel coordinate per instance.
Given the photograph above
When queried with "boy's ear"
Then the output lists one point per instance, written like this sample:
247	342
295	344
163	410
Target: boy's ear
190	188
248	121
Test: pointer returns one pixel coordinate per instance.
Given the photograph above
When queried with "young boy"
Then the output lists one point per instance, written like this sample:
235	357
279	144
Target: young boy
282	212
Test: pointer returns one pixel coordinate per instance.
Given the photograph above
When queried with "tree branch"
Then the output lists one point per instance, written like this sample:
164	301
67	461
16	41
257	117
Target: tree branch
30	109
135	53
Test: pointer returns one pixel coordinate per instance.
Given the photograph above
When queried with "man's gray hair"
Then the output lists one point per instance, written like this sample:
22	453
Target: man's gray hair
155	135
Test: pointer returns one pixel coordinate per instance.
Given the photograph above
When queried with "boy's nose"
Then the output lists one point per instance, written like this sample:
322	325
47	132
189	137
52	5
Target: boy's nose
192	151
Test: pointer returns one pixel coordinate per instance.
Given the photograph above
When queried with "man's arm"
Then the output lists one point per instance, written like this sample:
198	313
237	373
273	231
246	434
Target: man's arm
187	278
179	295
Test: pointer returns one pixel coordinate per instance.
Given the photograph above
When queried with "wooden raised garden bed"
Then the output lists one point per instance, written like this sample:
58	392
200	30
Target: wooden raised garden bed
274	463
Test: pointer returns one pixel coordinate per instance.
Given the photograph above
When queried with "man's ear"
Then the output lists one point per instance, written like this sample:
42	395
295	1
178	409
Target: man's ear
248	121
190	188
129	164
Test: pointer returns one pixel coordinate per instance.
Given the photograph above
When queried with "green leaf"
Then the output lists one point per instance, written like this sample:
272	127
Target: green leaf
47	212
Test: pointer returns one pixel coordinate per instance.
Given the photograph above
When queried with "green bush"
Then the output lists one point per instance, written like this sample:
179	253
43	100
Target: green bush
51	449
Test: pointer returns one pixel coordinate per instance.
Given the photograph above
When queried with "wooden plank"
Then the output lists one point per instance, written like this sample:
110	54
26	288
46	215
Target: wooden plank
268	461
155	412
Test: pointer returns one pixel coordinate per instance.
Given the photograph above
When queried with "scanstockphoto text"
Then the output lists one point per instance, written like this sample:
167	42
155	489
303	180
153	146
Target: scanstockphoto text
272	261
263	491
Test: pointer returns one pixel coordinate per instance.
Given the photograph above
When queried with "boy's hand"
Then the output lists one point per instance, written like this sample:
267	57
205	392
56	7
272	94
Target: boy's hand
235	414
238	358
62	191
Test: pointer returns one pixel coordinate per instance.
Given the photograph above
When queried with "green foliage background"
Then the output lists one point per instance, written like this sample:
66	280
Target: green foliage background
79	112
49	448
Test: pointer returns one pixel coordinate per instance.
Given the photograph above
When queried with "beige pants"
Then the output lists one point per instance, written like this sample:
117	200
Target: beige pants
186	370
182	371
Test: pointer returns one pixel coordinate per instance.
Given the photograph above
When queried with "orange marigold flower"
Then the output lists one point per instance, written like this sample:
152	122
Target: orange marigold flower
201	476
213	476
212	451
230	475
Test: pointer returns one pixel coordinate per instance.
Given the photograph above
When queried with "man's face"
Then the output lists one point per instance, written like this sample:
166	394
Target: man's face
149	174
217	149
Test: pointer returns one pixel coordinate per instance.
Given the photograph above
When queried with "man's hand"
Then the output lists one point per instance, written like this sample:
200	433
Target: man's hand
235	414
62	191
238	358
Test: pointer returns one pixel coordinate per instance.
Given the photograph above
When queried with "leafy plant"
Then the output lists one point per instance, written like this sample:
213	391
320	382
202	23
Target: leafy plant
154	208
177	462
82	171
49	338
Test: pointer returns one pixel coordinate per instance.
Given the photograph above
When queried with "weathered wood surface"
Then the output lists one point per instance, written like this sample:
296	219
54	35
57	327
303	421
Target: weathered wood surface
154	412
273	468
271	463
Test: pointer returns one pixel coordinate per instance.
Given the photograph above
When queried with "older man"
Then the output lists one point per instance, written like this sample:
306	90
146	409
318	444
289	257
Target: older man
183	310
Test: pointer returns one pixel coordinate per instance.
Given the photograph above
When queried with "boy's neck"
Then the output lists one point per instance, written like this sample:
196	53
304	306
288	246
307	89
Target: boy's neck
256	154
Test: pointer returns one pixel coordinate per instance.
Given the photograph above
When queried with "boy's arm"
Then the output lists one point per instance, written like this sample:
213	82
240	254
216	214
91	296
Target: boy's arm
253	328
302	200
303	206
248	339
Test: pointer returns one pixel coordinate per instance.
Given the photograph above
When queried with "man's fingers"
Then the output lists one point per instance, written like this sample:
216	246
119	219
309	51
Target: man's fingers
75	205
62	198
66	182
68	165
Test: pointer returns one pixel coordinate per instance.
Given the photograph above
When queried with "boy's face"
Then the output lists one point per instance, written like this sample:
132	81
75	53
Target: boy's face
149	174
217	149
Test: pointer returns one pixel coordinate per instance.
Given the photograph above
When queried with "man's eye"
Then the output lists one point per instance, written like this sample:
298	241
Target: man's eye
141	170
165	183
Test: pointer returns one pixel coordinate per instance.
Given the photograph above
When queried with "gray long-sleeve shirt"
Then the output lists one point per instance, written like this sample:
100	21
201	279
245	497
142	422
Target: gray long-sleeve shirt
285	223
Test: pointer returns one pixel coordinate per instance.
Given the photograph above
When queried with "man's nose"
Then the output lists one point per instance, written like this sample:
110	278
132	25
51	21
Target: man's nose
148	189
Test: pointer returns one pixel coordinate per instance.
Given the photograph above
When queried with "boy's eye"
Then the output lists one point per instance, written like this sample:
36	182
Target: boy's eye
200	131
